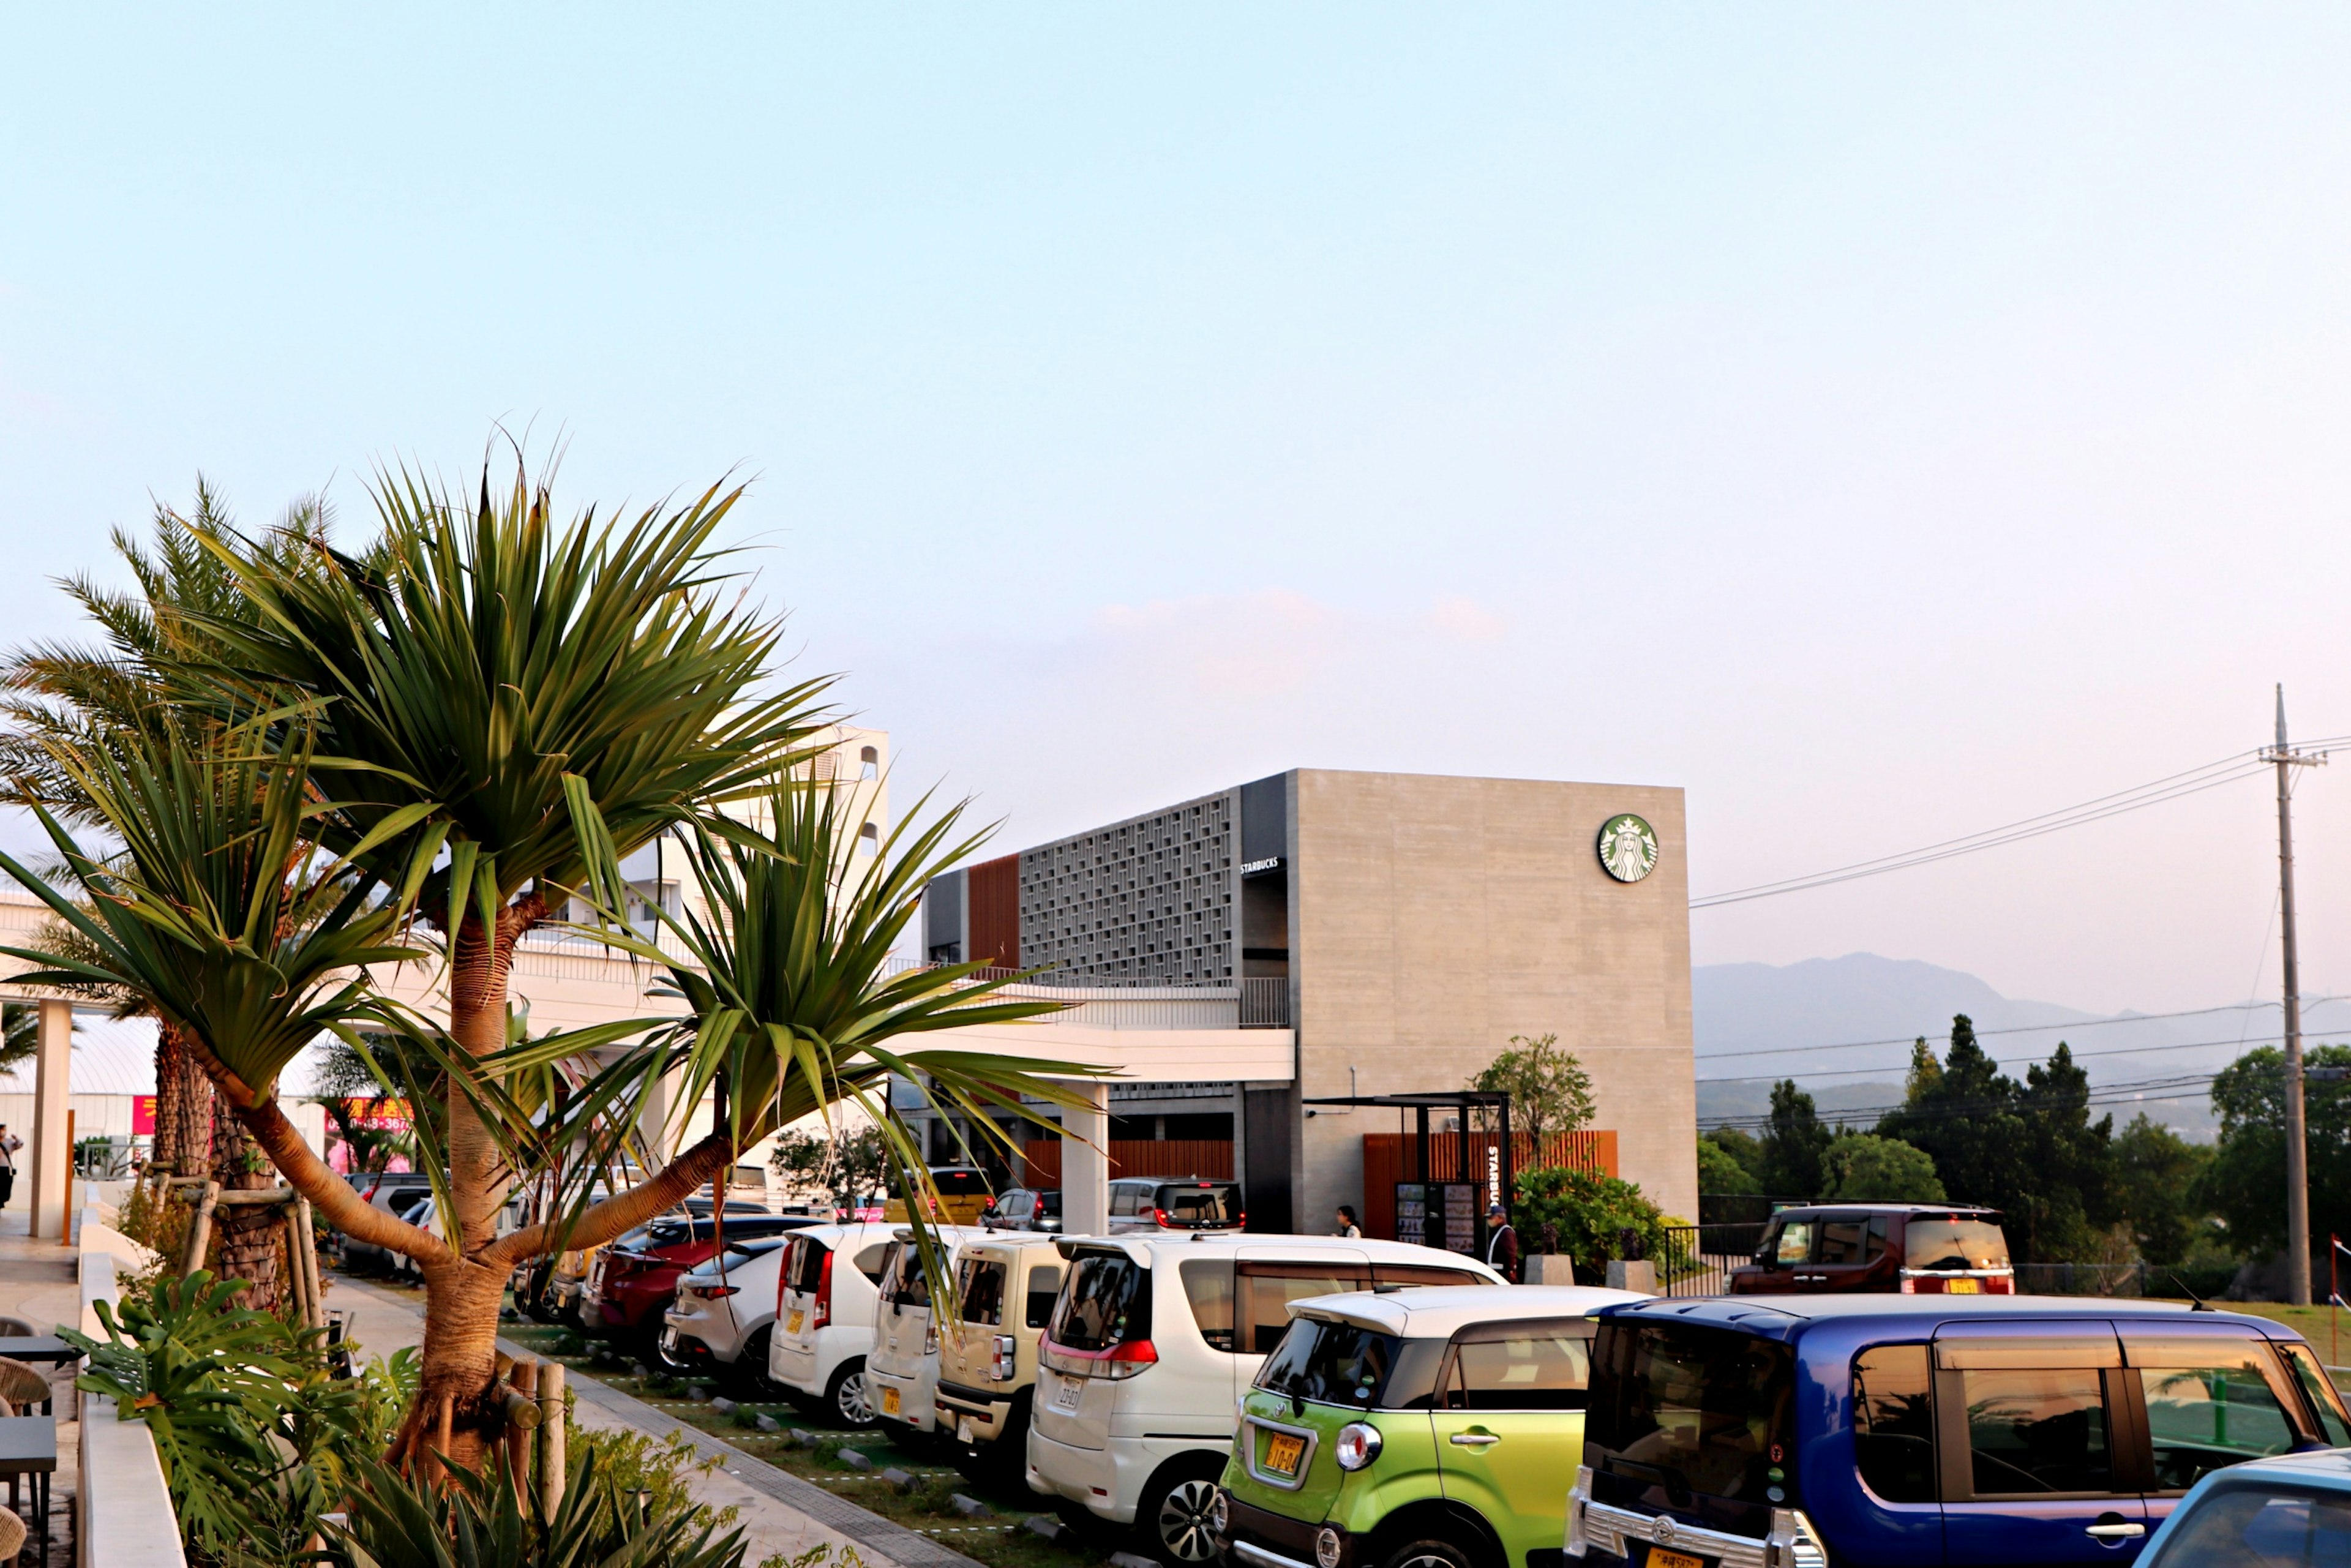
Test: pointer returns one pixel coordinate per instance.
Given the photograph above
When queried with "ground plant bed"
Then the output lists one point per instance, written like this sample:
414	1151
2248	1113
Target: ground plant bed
924	1502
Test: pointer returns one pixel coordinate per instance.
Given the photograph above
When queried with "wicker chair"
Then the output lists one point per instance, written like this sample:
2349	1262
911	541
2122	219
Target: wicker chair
22	1387
16	1328
13	1532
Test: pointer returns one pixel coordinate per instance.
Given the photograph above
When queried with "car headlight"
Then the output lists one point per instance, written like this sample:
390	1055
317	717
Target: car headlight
1326	1547
1358	1444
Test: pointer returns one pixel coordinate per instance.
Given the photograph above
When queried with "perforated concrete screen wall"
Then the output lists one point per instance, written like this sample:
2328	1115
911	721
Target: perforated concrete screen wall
1148	899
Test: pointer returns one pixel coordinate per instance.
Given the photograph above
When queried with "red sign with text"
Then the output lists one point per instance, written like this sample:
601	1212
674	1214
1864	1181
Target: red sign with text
142	1115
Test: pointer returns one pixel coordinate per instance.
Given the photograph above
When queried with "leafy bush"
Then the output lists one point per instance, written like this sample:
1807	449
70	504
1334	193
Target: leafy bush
1591	1210
1865	1169
663	1470
256	1436
1719	1172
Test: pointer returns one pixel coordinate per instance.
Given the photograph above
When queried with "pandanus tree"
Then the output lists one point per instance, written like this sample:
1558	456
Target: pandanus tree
467	727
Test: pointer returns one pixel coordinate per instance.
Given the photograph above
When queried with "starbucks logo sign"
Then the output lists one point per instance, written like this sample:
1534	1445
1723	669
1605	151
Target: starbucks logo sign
1628	847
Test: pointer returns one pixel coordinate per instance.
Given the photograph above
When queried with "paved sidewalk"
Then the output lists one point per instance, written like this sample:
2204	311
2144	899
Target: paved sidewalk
780	1512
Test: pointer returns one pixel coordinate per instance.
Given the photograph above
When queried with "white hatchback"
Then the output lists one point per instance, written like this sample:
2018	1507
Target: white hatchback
1154	1340
725	1311
902	1371
825	1295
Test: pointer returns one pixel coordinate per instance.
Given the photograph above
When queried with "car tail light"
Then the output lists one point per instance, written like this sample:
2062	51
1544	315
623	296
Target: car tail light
824	1291
1126	1360
717	1292
784	1271
1358	1444
1002	1358
2000	1285
1909	1287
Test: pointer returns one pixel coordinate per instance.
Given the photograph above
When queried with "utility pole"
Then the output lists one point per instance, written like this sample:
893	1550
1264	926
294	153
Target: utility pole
2297	1144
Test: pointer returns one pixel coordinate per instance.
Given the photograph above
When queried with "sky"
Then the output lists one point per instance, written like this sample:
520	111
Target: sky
1882	423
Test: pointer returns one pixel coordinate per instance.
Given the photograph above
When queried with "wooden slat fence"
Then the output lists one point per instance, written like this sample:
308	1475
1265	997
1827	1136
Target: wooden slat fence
1136	1156
1391	1158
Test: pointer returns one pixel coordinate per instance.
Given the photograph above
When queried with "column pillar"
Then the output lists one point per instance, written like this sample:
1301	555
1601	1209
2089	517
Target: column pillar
52	1089
1085	1162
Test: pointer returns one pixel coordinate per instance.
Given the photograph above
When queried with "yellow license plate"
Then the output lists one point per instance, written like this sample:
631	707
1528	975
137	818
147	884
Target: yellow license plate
792	1324
1963	1287
1283	1453
889	1401
1661	1558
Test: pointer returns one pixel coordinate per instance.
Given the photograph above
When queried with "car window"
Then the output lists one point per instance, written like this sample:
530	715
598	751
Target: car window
2262	1523
1529	1367
2210	1406
2321	1389
1208	1286
1388	1274
1894	1422
2038	1430
1948	1245
981	1291
804	1269
1710	1409
960	1183
1335	1364
1201	1204
1018	1205
1044	1285
1266	1290
1846	1239
869	1262
1795	1242
1108	1302
1122	1201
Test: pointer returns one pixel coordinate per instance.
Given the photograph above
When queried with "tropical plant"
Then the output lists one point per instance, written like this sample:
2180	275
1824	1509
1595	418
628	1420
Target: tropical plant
483	1519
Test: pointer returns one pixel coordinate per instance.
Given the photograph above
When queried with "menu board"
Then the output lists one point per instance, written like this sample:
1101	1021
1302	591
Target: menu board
1442	1214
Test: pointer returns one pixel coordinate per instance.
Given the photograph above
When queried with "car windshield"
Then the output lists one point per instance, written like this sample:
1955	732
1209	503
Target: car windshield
1948	1245
2260	1522
1331	1363
1107	1303
1197	1204
1700	1409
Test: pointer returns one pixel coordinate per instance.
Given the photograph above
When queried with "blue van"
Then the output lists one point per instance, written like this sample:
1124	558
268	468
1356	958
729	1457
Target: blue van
1798	1432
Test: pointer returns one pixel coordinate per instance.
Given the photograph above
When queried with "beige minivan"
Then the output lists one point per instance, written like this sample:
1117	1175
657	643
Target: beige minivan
1006	1285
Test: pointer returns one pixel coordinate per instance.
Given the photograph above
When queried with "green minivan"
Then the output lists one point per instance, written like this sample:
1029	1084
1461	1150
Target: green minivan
1430	1428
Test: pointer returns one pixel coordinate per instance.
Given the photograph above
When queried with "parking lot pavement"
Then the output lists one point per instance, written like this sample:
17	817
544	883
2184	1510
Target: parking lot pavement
777	1512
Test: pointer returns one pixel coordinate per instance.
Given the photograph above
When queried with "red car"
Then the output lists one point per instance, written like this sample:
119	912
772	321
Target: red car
1912	1249
632	1281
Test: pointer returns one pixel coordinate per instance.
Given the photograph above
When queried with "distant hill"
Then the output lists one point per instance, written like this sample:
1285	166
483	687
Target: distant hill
1756	1022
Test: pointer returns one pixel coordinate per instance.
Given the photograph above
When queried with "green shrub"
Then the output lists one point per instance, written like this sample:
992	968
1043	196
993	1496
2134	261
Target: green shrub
1865	1169
1591	1210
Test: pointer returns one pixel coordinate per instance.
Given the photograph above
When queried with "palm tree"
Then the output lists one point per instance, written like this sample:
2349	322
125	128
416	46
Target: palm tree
71	700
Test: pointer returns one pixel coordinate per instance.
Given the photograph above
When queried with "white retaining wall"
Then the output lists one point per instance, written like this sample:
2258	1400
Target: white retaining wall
124	1510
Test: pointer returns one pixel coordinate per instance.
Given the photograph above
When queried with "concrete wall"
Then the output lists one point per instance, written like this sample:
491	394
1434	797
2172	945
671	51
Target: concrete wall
1432	918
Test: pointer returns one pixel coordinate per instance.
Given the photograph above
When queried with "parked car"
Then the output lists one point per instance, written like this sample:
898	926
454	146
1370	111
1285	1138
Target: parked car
964	1196
390	1191
1154	1338
1175	1203
1912	1249
723	1312
826	1292
423	1212
1888	1429
556	1293
632	1281
2295	1510
901	1370
1024	1208
1422	1426
988	1359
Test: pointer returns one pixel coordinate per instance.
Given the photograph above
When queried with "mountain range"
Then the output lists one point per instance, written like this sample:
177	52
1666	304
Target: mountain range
1755	1024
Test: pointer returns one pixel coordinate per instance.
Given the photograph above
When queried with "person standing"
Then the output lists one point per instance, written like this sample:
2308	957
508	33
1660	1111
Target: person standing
9	1144
1347	1226
1501	1244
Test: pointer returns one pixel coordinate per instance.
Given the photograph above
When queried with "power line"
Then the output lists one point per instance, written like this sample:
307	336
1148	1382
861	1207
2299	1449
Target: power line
2239	1042
2109	1095
2176	786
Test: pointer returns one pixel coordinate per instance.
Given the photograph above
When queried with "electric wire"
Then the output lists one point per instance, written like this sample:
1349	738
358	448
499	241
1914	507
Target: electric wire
2008	1029
1813	1077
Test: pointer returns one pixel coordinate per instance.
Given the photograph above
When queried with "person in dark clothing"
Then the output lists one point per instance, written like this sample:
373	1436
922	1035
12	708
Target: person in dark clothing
1501	1244
9	1145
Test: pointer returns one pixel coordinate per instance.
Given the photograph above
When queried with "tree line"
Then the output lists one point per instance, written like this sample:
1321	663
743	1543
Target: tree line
2070	1188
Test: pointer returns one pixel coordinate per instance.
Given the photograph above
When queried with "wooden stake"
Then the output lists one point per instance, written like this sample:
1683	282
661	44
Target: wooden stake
307	1239
200	1230
519	1438
551	1438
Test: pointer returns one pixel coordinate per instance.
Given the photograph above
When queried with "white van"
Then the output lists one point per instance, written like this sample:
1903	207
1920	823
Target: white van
1153	1342
902	1371
825	1295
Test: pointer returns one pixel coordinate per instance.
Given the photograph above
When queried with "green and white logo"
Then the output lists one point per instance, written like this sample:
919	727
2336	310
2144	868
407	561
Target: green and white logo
1628	847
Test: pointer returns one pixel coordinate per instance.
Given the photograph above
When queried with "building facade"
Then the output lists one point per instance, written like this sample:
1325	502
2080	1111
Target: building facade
1404	926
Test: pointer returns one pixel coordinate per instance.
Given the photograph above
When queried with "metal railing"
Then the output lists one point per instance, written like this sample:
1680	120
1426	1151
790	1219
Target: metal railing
1703	1256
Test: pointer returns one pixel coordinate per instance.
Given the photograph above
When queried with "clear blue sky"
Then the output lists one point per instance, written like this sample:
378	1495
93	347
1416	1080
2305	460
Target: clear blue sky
1884	423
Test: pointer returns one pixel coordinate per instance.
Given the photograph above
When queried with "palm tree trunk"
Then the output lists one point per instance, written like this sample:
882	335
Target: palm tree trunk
183	1106
248	1231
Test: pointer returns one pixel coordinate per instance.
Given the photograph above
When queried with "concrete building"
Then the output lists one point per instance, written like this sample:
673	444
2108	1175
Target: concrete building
1403	926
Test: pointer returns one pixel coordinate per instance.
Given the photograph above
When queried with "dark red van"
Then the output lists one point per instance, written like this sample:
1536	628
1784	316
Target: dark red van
1913	1248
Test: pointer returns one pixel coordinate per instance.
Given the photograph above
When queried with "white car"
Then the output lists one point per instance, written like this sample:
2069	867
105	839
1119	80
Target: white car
725	1311
823	1332
1154	1340
902	1371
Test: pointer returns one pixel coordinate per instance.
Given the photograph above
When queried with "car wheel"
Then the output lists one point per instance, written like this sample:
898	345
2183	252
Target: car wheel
1176	1515
1429	1554
751	1379
851	1402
